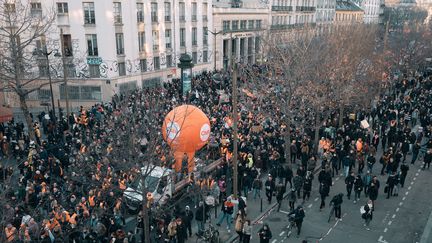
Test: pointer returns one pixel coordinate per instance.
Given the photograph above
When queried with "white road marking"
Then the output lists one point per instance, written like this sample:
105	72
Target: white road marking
417	174
381	239
406	193
409	188
397	209
316	199
412	182
285	212
310	205
274	241
385	230
419	170
337	178
390	222
414	178
401	203
283	232
403	199
393	216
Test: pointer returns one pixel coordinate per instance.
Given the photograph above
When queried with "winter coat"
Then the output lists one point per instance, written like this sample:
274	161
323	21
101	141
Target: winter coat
298	182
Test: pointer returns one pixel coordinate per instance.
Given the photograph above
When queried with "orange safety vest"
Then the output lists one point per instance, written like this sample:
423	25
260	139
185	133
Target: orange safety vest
54	224
10	234
72	219
122	184
66	216
92	201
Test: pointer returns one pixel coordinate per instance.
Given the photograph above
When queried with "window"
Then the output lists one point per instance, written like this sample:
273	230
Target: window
258	24
119	44
140	12
156	63
73	92
92	47
243	24
194	36
89	13
141	41
36	9
251	24
257	44
122	69
204	11
182	37
242	46
168	38
44	94
94	71
205	36
67	45
154	15
169	61
194	57
226	25
143	65
10	7
155	35
127	87
167	12
117	13
90	92
182	11
62	8
43	67
235	25
250	44
205	56
151	83
194	12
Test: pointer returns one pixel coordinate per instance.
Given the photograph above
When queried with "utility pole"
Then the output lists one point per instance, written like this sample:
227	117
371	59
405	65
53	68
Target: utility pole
214	33
64	75
235	120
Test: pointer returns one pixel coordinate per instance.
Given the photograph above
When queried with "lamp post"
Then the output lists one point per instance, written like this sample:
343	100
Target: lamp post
47	53
214	45
186	66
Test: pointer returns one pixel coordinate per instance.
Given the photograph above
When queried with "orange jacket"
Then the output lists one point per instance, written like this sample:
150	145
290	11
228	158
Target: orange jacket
10	234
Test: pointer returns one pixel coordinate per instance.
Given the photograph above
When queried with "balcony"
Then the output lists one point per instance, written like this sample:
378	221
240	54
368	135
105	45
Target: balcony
305	9
282	8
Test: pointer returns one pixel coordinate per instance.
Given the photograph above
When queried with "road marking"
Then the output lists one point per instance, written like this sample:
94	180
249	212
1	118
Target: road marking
419	170
390	222
283	232
285	212
310	205
401	203
403	199
385	230
406	193
316	199
414	178
337	178
381	239
393	216
397	209
274	241
409	188
417	174
412	182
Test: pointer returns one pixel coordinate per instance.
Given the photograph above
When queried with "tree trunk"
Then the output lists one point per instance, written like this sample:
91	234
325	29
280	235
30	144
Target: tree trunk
287	143
341	115
146	218
24	108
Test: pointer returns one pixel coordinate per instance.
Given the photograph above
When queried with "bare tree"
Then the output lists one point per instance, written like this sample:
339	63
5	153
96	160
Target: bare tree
21	27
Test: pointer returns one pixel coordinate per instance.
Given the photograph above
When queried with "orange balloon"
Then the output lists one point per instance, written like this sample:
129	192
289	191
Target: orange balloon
186	129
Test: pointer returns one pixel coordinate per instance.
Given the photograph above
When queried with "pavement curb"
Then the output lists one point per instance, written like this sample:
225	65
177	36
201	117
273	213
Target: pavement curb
269	209
426	236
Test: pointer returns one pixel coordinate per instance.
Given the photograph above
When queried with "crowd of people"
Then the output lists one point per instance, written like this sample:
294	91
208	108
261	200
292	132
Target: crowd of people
67	184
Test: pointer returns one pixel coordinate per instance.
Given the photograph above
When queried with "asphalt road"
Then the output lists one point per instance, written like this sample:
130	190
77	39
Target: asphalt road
400	219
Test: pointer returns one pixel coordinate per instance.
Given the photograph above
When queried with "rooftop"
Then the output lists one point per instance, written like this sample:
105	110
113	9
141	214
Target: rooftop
346	5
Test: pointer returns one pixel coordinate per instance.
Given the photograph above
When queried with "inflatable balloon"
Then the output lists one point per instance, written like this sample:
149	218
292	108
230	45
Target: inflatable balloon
186	129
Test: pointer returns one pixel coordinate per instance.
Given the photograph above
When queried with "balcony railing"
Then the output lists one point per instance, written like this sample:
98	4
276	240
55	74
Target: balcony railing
305	9
282	8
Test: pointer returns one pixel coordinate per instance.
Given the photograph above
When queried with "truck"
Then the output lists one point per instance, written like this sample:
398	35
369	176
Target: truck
160	185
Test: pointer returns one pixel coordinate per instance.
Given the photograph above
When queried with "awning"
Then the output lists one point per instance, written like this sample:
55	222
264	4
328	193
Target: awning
6	114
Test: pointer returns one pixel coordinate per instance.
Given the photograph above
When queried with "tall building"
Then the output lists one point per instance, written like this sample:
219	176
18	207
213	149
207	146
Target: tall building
116	46
288	14
348	12
237	31
372	10
325	11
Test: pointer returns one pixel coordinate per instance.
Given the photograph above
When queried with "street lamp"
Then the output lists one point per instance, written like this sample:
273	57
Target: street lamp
214	44
186	66
44	52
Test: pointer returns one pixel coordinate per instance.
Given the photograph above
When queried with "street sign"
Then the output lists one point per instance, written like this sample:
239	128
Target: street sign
94	60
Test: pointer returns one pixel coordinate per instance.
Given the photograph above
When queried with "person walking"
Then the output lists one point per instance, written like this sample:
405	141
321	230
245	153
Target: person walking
373	192
298	215
404	168
391	182
307	186
280	191
370	161
247	231
257	186
298	183
227	211
415	152
358	188
201	216
427	159
269	188
292	197
265	234
367	213
337	204
187	220
366	182
324	190
349	182
239	223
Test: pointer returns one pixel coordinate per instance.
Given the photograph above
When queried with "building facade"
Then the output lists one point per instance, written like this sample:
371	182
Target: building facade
348	12
372	10
116	46
238	29
325	11
288	14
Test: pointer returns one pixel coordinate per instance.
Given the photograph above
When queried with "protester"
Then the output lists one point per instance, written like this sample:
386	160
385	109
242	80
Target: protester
336	202
265	234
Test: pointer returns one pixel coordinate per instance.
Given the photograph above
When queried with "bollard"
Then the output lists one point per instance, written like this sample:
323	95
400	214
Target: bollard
261	205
